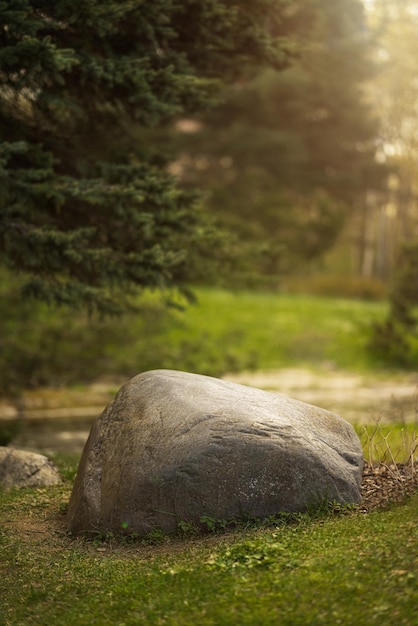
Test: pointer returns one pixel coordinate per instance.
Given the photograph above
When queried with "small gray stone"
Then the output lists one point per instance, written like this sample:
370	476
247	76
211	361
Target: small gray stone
21	468
177	446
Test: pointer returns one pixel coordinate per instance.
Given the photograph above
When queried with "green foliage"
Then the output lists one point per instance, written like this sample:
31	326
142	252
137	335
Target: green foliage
88	212
251	554
67	464
213	524
395	339
155	537
186	528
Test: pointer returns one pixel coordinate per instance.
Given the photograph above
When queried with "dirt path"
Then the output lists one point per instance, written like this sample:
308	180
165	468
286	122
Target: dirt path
359	399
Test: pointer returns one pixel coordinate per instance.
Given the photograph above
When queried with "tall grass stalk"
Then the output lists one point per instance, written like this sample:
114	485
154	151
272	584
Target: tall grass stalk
391	447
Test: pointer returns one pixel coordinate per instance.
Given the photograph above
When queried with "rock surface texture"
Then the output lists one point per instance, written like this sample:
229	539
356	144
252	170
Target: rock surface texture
175	446
20	468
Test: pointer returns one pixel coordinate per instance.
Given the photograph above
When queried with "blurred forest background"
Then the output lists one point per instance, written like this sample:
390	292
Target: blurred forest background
261	157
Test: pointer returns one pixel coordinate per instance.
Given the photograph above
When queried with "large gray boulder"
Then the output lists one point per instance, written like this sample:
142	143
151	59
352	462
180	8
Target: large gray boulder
174	447
21	468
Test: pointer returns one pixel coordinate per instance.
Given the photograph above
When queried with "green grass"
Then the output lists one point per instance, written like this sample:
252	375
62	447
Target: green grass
348	569
269	330
234	331
223	332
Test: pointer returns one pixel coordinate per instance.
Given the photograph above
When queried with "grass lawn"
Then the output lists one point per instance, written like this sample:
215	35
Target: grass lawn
222	332
232	331
351	568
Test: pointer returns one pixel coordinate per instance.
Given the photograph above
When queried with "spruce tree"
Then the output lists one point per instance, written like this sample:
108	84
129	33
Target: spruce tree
88	212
